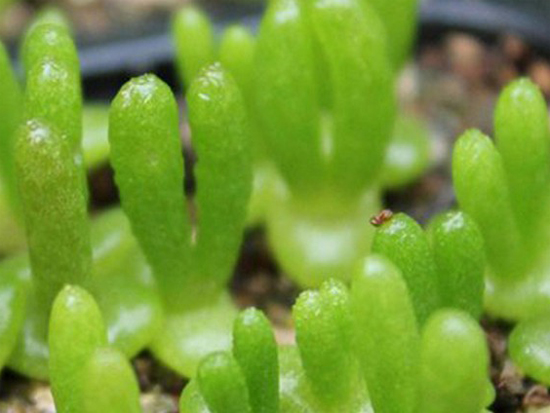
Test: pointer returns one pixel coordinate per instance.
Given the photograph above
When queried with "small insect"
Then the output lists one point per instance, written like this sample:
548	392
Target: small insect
382	217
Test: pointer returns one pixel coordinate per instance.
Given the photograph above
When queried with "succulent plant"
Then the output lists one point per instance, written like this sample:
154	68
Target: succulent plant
505	187
47	39
191	244
357	351
86	373
52	198
318	83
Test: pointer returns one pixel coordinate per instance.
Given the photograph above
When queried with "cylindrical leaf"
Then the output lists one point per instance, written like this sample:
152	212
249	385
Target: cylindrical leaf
223	385
53	197
337	300
47	81
455	362
523	139
237	56
221	138
255	350
49	40
482	192
402	240
194	42
361	77
146	154
325	357
400	20
287	96
109	384
76	330
459	254
529	347
388	342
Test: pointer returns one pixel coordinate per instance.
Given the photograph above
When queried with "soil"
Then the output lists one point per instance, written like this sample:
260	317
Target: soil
453	84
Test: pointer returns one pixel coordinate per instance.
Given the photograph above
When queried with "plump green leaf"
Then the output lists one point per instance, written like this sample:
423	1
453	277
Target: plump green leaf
237	56
523	140
146	154
76	331
325	358
53	195
52	70
287	95
255	350
363	107
50	40
403	241
388	341
529	347
221	138
121	283
191	400
482	191
46	81
188	336
194	42
109	384
455	364
459	253
223	385
400	20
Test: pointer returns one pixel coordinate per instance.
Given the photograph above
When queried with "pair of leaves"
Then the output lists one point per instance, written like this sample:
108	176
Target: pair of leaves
356	351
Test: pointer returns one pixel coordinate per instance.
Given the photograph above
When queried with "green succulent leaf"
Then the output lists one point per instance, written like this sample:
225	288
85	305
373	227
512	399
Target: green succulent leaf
458	250
236	54
255	350
453	380
529	347
76	331
482	191
287	95
522	139
121	282
223	385
123	285
191	400
221	138
110	385
52	70
325	358
400	21
146	153
53	196
363	105
194	42
50	39
387	338
403	241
